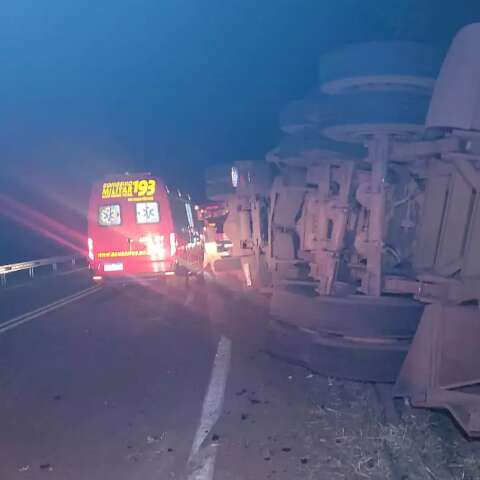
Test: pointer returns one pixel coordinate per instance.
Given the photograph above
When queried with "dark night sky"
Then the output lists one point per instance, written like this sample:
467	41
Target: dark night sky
91	87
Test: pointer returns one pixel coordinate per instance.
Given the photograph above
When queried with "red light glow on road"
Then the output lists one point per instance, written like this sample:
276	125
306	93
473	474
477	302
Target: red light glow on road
42	224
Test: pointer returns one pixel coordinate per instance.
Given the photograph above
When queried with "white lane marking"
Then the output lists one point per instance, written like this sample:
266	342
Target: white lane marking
27	317
203	468
50	305
201	464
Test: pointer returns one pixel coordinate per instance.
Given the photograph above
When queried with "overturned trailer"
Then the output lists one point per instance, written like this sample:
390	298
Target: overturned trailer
363	224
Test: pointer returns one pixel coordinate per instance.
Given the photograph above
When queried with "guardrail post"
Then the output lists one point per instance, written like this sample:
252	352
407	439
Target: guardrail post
30	266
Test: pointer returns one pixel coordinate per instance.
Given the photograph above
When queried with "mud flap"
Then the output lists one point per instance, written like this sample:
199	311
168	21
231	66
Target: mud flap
442	368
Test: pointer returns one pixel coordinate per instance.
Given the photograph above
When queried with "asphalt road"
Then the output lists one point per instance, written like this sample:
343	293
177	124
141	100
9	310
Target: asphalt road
168	381
142	381
109	386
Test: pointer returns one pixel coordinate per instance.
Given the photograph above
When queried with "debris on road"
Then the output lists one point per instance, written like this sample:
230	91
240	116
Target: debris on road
152	439
267	454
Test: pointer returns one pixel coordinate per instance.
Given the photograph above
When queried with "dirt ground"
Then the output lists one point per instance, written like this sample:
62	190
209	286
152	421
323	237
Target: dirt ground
363	439
295	425
289	424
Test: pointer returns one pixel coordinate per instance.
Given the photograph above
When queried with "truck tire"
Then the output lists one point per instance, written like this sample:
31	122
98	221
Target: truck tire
311	140
354	117
354	337
337	357
220	190
354	316
379	65
219	173
297	115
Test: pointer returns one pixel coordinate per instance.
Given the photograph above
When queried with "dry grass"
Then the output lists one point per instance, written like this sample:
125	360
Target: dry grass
349	439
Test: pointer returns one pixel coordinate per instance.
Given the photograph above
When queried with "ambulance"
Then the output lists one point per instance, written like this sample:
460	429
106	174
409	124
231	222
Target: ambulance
139	227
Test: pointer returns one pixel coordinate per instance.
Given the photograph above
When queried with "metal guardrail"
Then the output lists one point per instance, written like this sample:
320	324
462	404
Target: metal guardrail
33	264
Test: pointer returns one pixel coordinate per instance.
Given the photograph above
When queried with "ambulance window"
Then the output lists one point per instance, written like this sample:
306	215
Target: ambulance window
188	209
180	219
147	212
109	215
